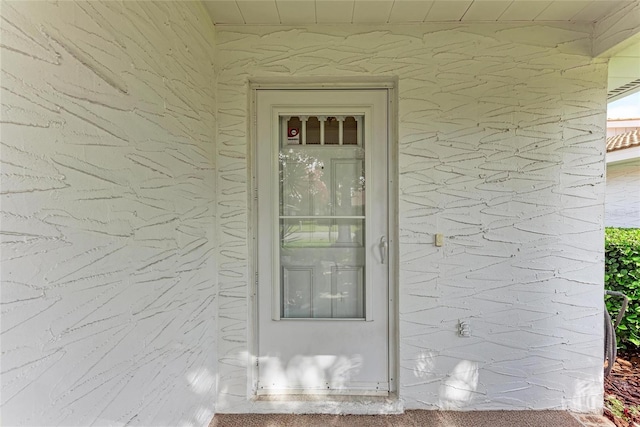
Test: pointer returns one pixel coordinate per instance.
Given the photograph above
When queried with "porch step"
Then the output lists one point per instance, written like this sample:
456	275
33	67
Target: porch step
416	418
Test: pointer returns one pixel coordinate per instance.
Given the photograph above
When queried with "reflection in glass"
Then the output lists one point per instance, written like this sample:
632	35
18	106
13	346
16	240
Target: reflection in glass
313	131
322	268
322	130
350	131
303	185
322	181
331	131
294	131
348	185
321	233
322	224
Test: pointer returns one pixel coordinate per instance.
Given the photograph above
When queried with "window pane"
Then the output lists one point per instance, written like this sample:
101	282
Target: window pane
294	129
331	131
322	223
322	268
350	131
313	131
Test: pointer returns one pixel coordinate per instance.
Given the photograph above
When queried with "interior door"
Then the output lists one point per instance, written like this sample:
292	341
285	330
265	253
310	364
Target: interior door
322	271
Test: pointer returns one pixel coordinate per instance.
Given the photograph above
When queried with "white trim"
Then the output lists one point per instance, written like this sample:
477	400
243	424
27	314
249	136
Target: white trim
311	83
252	215
297	83
623	123
623	155
393	230
322	217
365	390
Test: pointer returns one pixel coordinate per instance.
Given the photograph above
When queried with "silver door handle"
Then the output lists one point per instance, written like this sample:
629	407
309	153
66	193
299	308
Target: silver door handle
383	248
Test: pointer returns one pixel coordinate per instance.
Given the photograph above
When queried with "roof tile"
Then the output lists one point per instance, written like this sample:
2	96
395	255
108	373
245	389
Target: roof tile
624	140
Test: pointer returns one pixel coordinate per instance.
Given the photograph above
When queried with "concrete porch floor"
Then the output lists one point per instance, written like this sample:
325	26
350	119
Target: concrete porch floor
417	419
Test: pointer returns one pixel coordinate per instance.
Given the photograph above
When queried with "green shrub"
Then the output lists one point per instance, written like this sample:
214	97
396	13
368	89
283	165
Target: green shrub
622	273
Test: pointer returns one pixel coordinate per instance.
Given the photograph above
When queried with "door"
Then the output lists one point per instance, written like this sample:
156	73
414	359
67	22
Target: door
322	270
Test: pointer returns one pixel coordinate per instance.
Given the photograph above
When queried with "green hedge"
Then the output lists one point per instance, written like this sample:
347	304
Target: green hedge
622	273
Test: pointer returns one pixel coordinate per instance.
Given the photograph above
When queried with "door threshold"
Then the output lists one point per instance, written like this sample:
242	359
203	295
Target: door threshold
323	398
327	404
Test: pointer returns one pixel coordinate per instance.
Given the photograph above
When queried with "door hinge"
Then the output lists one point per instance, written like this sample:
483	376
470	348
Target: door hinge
255	194
256	278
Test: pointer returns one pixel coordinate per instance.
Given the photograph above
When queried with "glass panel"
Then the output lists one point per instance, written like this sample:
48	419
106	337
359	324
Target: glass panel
322	224
321	180
304	185
297	291
350	131
348	286
322	268
321	233
331	131
294	129
348	186
313	130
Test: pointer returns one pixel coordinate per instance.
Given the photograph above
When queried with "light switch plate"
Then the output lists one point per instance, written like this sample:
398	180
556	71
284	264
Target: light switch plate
439	239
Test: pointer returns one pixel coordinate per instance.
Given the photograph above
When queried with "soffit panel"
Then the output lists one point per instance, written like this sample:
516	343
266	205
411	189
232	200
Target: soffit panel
259	12
595	10
447	11
406	11
485	10
224	11
294	12
624	72
334	12
524	10
562	10
409	11
376	11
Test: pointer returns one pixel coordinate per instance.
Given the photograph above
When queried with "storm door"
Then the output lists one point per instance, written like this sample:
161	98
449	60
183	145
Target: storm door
322	273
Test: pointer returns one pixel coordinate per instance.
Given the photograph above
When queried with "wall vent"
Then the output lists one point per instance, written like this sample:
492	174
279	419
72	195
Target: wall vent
624	90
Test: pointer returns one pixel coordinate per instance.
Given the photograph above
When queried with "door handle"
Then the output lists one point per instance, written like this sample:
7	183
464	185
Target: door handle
384	246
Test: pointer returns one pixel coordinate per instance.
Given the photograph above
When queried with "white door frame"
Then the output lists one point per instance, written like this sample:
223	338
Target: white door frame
388	84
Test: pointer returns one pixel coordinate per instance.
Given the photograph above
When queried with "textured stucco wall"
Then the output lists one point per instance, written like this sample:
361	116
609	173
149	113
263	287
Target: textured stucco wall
108	285
622	208
501	149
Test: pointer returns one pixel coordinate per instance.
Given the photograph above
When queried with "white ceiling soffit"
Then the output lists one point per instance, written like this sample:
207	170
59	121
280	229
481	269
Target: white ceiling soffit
624	68
284	12
624	72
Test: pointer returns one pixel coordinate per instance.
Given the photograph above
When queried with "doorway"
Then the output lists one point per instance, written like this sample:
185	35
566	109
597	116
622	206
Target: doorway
322	201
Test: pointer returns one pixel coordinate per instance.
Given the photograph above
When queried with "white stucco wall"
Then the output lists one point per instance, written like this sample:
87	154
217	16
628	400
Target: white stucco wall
501	149
622	208
110	243
108	284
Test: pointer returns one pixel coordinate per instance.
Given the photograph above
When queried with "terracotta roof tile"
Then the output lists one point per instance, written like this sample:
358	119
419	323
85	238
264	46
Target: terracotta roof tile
624	140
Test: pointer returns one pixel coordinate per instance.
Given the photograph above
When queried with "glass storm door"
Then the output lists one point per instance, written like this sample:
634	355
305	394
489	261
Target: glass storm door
322	273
